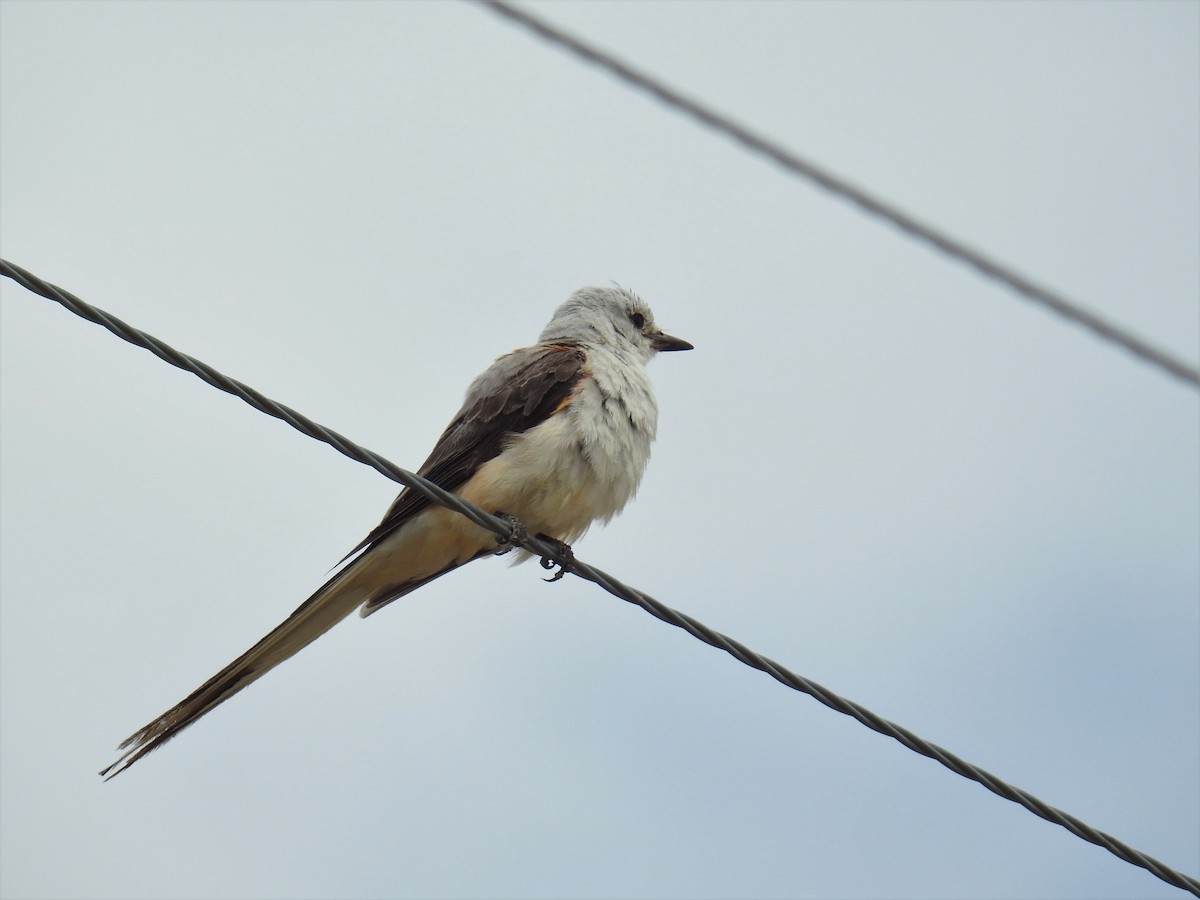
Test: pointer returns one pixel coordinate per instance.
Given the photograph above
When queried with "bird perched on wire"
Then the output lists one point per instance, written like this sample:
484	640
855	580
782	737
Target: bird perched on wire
553	436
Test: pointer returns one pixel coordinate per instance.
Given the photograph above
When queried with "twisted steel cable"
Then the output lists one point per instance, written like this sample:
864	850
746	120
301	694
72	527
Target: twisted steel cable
507	532
826	180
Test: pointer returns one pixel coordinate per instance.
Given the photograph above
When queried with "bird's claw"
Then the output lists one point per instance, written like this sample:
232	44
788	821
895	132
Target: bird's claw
517	534
564	555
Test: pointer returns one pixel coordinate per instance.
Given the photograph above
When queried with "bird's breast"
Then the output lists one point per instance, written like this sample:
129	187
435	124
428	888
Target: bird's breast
582	464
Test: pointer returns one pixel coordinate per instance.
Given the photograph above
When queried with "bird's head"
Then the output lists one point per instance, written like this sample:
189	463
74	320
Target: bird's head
611	316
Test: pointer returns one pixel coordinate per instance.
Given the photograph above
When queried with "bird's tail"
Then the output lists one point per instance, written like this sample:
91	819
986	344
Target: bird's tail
335	600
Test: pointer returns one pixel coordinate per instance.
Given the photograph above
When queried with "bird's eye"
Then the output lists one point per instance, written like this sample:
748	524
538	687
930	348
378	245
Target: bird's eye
637	319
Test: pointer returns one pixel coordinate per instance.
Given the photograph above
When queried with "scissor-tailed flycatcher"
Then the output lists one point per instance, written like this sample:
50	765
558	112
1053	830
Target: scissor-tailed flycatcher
556	435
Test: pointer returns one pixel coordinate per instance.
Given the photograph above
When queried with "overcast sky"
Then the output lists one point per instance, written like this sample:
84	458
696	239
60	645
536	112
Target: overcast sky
884	472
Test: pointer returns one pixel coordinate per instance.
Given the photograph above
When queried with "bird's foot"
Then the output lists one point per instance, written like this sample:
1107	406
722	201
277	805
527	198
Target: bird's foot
563	557
516	536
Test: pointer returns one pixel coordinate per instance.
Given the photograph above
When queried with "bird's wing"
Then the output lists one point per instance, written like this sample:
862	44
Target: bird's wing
519	391
516	393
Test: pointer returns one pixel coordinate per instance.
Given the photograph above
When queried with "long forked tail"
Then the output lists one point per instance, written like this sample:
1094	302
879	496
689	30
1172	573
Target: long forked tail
335	600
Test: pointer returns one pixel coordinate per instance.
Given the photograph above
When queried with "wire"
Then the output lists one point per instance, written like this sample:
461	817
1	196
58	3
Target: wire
826	180
508	533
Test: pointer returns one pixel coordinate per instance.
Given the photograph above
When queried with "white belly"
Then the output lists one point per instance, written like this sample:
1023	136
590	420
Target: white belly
582	464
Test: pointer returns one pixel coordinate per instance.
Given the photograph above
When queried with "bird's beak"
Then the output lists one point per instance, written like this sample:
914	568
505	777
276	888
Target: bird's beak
662	341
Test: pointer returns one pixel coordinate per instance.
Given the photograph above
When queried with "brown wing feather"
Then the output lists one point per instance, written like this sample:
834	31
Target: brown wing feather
528	397
528	394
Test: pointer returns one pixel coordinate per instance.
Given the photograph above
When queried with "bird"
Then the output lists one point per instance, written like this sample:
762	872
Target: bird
553	437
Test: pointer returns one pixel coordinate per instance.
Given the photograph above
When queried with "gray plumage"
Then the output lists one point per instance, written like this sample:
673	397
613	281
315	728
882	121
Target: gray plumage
557	435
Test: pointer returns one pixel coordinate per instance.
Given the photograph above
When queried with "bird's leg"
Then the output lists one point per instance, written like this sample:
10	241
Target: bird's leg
562	552
516	536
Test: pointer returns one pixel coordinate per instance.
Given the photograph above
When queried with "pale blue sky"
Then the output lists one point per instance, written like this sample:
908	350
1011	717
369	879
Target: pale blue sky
876	468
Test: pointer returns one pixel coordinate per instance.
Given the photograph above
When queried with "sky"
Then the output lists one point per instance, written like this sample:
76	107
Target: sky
890	475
